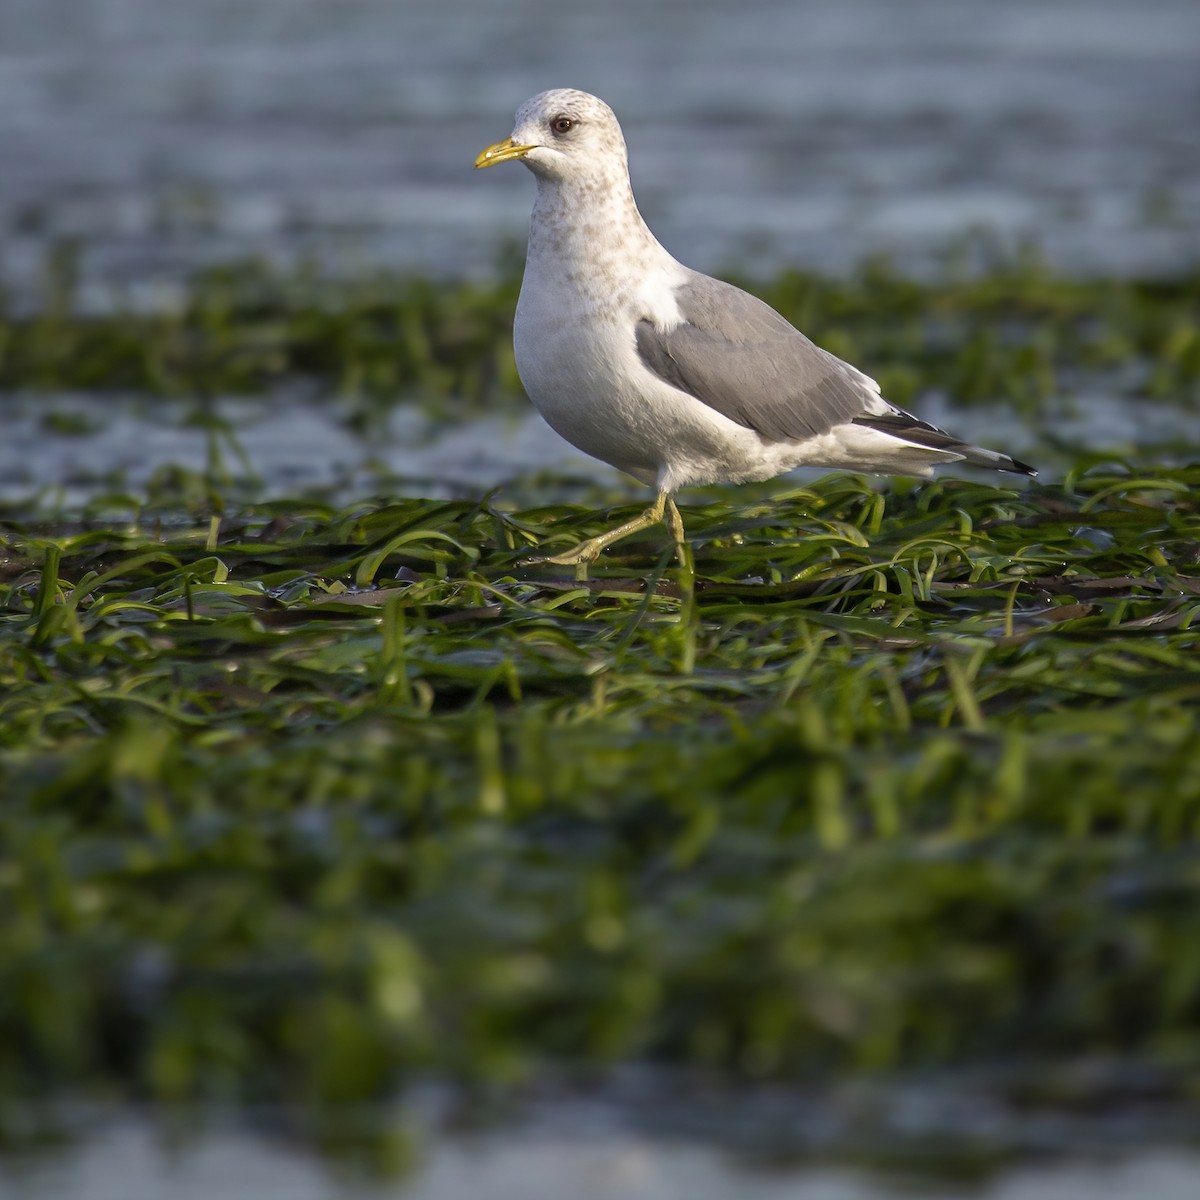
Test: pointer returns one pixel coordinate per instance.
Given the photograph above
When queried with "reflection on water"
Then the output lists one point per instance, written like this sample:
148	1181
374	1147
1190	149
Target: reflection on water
167	133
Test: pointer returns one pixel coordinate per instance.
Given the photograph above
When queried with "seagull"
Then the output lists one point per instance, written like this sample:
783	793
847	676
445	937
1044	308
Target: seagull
672	376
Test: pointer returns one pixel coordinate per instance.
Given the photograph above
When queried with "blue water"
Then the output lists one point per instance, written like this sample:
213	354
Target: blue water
164	134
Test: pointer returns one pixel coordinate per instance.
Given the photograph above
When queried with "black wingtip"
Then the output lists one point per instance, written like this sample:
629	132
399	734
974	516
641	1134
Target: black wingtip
1016	467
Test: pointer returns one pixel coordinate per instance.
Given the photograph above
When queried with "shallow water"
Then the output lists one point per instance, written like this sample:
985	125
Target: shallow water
164	134
285	446
127	1161
288	445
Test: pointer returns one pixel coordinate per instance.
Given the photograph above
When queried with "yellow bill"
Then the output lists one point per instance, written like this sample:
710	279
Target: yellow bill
501	152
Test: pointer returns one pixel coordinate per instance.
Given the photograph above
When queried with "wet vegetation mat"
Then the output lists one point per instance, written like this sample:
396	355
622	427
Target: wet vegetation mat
301	803
306	801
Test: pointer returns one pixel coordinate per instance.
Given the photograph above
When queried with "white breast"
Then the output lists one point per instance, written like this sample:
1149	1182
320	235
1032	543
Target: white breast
577	357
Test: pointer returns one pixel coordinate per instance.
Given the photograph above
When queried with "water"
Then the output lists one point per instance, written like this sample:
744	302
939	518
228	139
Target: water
164	134
285	445
128	1161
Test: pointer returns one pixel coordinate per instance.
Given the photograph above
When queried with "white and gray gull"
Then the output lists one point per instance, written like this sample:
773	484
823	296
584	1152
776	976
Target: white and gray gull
669	375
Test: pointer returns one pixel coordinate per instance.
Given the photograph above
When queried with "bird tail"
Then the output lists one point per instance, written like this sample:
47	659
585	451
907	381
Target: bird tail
915	432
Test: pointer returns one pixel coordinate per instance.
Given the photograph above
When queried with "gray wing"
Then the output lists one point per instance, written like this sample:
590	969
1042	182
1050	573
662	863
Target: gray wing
740	357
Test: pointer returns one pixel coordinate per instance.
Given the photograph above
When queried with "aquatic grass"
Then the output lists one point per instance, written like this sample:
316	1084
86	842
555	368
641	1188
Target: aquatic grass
306	800
319	799
1015	334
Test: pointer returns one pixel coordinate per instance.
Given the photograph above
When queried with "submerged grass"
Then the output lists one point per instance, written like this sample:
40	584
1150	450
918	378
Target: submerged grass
304	802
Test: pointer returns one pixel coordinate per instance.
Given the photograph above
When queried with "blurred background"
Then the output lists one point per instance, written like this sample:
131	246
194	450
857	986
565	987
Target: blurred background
167	134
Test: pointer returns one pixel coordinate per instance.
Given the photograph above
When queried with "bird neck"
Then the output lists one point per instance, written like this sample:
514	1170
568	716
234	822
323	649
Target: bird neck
586	230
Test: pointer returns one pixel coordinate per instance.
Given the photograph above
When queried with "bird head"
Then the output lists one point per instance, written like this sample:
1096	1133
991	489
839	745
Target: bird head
563	135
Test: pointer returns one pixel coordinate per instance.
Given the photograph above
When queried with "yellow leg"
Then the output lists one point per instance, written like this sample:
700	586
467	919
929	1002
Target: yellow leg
587	552
675	525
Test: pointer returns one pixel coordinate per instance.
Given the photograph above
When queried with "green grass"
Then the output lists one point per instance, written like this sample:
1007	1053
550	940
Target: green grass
302	803
306	802
1015	336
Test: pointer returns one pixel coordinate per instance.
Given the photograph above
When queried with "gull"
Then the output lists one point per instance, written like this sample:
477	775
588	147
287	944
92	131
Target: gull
672	376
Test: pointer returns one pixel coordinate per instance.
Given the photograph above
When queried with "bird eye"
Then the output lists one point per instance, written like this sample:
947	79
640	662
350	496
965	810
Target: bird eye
562	124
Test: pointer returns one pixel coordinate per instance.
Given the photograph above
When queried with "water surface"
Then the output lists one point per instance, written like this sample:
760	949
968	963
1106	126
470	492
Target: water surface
164	134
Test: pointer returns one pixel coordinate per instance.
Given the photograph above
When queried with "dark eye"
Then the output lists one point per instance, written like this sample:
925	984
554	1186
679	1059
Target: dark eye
562	124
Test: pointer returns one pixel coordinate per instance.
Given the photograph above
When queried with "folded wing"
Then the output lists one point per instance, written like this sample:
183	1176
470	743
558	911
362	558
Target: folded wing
741	358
